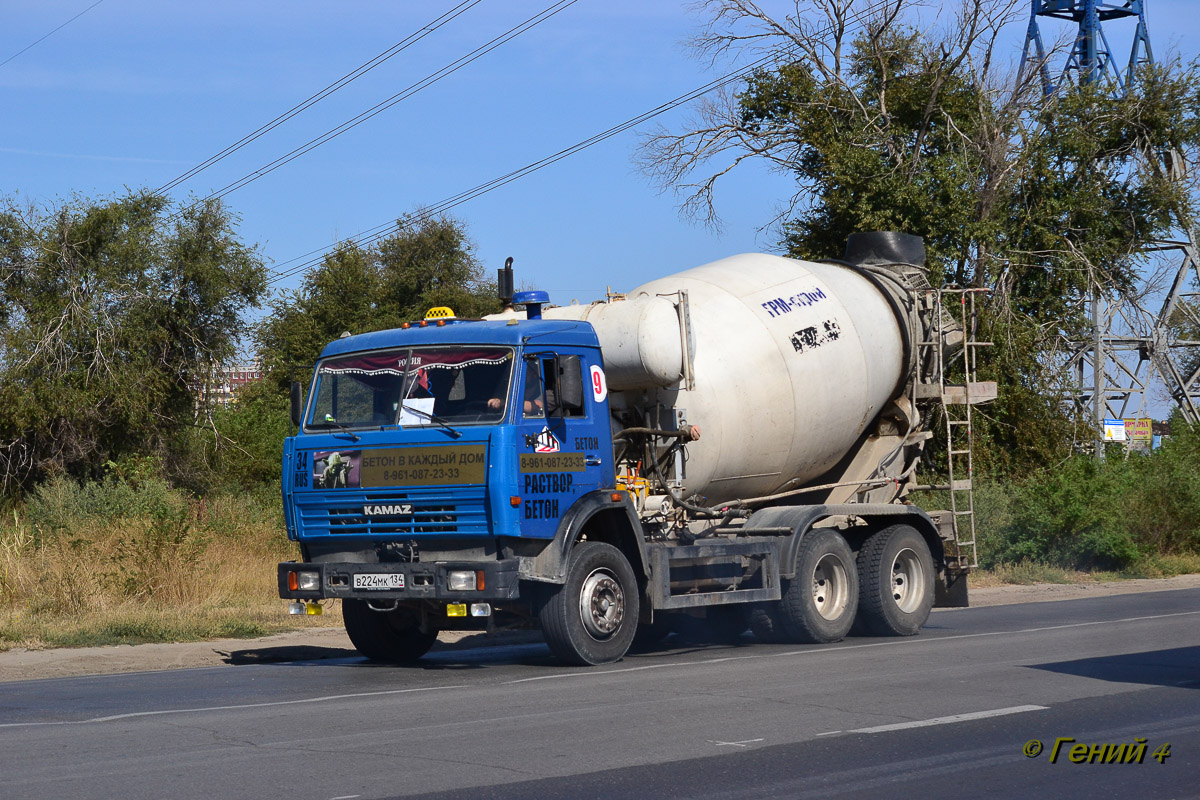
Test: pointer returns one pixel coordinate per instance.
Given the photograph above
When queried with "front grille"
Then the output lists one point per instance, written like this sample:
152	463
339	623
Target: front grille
435	511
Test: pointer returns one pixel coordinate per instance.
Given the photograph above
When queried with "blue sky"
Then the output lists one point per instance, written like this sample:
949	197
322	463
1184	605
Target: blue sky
134	92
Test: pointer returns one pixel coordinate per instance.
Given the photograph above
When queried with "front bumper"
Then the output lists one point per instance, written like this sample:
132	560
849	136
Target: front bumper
422	581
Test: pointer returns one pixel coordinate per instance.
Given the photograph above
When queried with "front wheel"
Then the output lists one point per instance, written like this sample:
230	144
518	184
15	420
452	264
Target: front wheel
393	637
592	618
896	570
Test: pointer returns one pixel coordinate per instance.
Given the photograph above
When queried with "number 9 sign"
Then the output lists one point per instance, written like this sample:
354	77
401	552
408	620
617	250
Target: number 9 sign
599	387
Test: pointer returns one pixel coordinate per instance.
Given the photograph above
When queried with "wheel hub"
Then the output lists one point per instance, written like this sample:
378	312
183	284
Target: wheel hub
601	604
908	580
830	587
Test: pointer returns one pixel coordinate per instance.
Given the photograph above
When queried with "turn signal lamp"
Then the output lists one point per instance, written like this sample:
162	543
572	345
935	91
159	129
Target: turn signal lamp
514	501
304	581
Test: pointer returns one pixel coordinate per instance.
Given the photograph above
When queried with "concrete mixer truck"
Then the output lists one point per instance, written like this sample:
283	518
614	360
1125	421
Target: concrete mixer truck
731	444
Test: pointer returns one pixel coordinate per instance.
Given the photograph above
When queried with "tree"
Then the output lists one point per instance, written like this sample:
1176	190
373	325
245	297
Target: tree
248	446
889	127
424	263
114	312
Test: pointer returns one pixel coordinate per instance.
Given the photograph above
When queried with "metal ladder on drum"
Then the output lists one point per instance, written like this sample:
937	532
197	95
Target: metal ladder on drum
955	400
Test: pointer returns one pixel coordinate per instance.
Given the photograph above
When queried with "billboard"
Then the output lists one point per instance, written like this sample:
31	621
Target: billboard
1114	430
1139	431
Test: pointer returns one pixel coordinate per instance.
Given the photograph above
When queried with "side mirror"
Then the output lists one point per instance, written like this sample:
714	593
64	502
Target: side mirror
570	383
297	403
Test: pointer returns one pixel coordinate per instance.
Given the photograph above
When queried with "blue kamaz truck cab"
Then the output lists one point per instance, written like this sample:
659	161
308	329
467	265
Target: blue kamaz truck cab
434	468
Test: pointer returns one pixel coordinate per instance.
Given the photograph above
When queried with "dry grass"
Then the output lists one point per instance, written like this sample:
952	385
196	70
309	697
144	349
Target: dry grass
149	624
1030	572
199	571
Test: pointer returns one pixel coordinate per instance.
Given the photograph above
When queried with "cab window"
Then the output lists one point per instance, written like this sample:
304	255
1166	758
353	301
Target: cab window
545	375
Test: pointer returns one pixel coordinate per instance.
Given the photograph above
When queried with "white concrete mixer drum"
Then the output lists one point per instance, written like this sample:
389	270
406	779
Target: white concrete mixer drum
793	360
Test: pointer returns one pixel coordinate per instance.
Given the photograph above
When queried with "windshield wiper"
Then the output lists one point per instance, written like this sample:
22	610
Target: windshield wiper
432	418
344	428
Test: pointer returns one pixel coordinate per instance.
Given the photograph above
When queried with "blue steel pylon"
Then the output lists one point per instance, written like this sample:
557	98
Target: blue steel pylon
1091	59
1145	336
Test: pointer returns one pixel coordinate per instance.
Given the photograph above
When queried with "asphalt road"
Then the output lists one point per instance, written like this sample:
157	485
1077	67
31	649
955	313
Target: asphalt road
948	713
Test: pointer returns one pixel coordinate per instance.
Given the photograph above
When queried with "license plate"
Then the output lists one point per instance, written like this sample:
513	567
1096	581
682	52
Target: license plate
379	580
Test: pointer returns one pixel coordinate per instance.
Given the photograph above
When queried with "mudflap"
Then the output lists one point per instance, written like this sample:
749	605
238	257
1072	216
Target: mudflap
950	590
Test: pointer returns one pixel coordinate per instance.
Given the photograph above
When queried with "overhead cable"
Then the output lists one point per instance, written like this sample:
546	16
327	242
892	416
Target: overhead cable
51	33
429	80
379	231
371	235
349	77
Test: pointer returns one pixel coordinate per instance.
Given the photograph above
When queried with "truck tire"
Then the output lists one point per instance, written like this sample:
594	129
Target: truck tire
895	571
765	623
392	637
819	604
592	618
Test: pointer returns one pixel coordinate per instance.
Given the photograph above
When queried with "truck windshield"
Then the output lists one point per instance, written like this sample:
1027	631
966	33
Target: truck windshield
457	385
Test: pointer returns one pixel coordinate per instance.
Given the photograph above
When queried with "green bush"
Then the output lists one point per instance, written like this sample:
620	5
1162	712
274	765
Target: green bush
1085	514
131	489
56	505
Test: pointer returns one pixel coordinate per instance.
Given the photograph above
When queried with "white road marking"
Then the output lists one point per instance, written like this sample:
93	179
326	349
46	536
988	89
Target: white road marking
829	733
743	743
925	723
237	707
346	797
902	642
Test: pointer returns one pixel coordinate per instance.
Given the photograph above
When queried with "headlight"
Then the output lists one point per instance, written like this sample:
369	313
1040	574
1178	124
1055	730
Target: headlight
309	581
461	580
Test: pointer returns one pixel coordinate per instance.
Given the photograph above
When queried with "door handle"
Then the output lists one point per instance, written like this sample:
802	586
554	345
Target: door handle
591	461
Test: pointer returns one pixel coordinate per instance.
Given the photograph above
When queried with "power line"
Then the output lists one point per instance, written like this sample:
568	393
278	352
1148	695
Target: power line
358	72
428	80
51	33
378	232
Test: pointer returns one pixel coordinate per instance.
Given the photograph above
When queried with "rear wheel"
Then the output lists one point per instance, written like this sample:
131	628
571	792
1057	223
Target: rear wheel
393	637
592	618
819	604
896	571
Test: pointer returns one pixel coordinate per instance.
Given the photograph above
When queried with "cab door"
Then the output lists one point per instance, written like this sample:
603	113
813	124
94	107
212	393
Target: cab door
562	442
